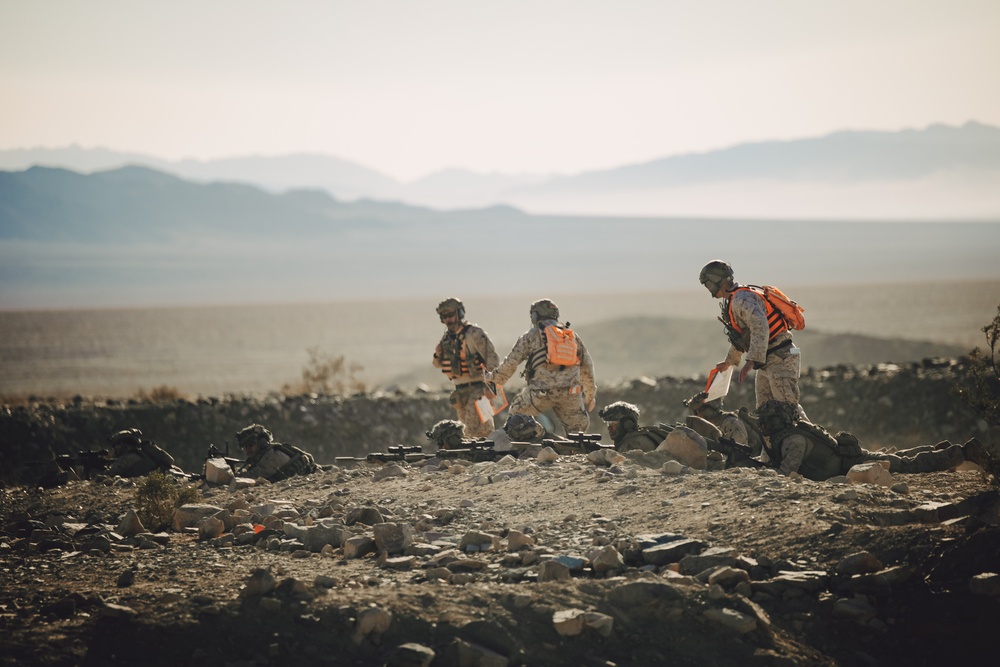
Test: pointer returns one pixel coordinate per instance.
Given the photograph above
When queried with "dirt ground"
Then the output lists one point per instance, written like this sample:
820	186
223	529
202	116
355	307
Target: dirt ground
923	596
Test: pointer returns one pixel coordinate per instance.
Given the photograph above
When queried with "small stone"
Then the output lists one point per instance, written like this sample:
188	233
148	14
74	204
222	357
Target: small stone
859	563
732	619
411	655
568	622
552	570
873	472
130	525
517	540
372	620
987	583
547	455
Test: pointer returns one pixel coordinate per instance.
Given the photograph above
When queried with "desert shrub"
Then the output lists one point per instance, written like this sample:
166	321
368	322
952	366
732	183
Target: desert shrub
326	374
980	386
158	496
161	394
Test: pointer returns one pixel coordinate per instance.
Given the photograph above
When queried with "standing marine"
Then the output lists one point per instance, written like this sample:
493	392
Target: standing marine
756	328
463	353
557	368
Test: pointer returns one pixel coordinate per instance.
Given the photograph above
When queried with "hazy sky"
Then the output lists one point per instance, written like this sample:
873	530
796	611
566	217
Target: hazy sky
409	87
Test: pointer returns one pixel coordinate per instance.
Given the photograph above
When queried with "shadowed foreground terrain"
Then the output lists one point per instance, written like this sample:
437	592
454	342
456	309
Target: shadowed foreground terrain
574	561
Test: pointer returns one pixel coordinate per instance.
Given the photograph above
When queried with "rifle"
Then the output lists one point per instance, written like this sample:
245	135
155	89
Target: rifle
737	455
216	453
577	443
474	451
91	462
406	453
399	453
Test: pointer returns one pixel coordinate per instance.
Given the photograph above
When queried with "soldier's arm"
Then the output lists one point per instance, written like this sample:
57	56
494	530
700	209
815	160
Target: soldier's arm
793	451
586	372
483	346
438	353
734	429
510	363
749	309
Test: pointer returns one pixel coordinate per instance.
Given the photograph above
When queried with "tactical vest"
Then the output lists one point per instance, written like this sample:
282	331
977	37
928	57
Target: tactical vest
559	348
825	447
651	436
754	439
301	463
741	339
454	354
162	459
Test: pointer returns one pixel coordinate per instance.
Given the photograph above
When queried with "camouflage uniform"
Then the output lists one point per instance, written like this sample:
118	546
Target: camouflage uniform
135	457
777	361
622	420
813	460
644	438
730	425
447	434
815	454
525	428
274	461
476	353
566	390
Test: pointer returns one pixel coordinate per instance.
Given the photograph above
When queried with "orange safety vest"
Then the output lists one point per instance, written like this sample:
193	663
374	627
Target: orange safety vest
775	321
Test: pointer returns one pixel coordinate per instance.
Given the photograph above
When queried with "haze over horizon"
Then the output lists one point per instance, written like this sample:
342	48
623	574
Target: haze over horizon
524	87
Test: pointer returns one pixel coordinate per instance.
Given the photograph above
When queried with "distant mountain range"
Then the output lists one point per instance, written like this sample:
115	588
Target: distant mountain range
940	172
137	236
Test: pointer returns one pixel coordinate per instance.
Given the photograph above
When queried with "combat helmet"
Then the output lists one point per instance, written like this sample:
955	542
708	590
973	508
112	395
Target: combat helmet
775	416
447	433
623	412
715	274
123	440
451	305
253	434
542	310
522	428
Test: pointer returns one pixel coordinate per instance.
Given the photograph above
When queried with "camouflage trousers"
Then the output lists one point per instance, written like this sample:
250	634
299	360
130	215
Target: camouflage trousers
779	379
934	460
565	403
463	400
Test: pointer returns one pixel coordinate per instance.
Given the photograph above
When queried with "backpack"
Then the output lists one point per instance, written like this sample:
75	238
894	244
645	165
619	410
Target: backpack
819	435
161	458
792	312
561	348
301	463
754	438
654	434
753	427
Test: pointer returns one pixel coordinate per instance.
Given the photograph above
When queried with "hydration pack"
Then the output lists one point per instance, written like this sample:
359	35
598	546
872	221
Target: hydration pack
791	312
561	348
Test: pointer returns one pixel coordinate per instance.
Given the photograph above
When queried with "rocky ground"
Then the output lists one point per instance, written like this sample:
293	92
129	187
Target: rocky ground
515	562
